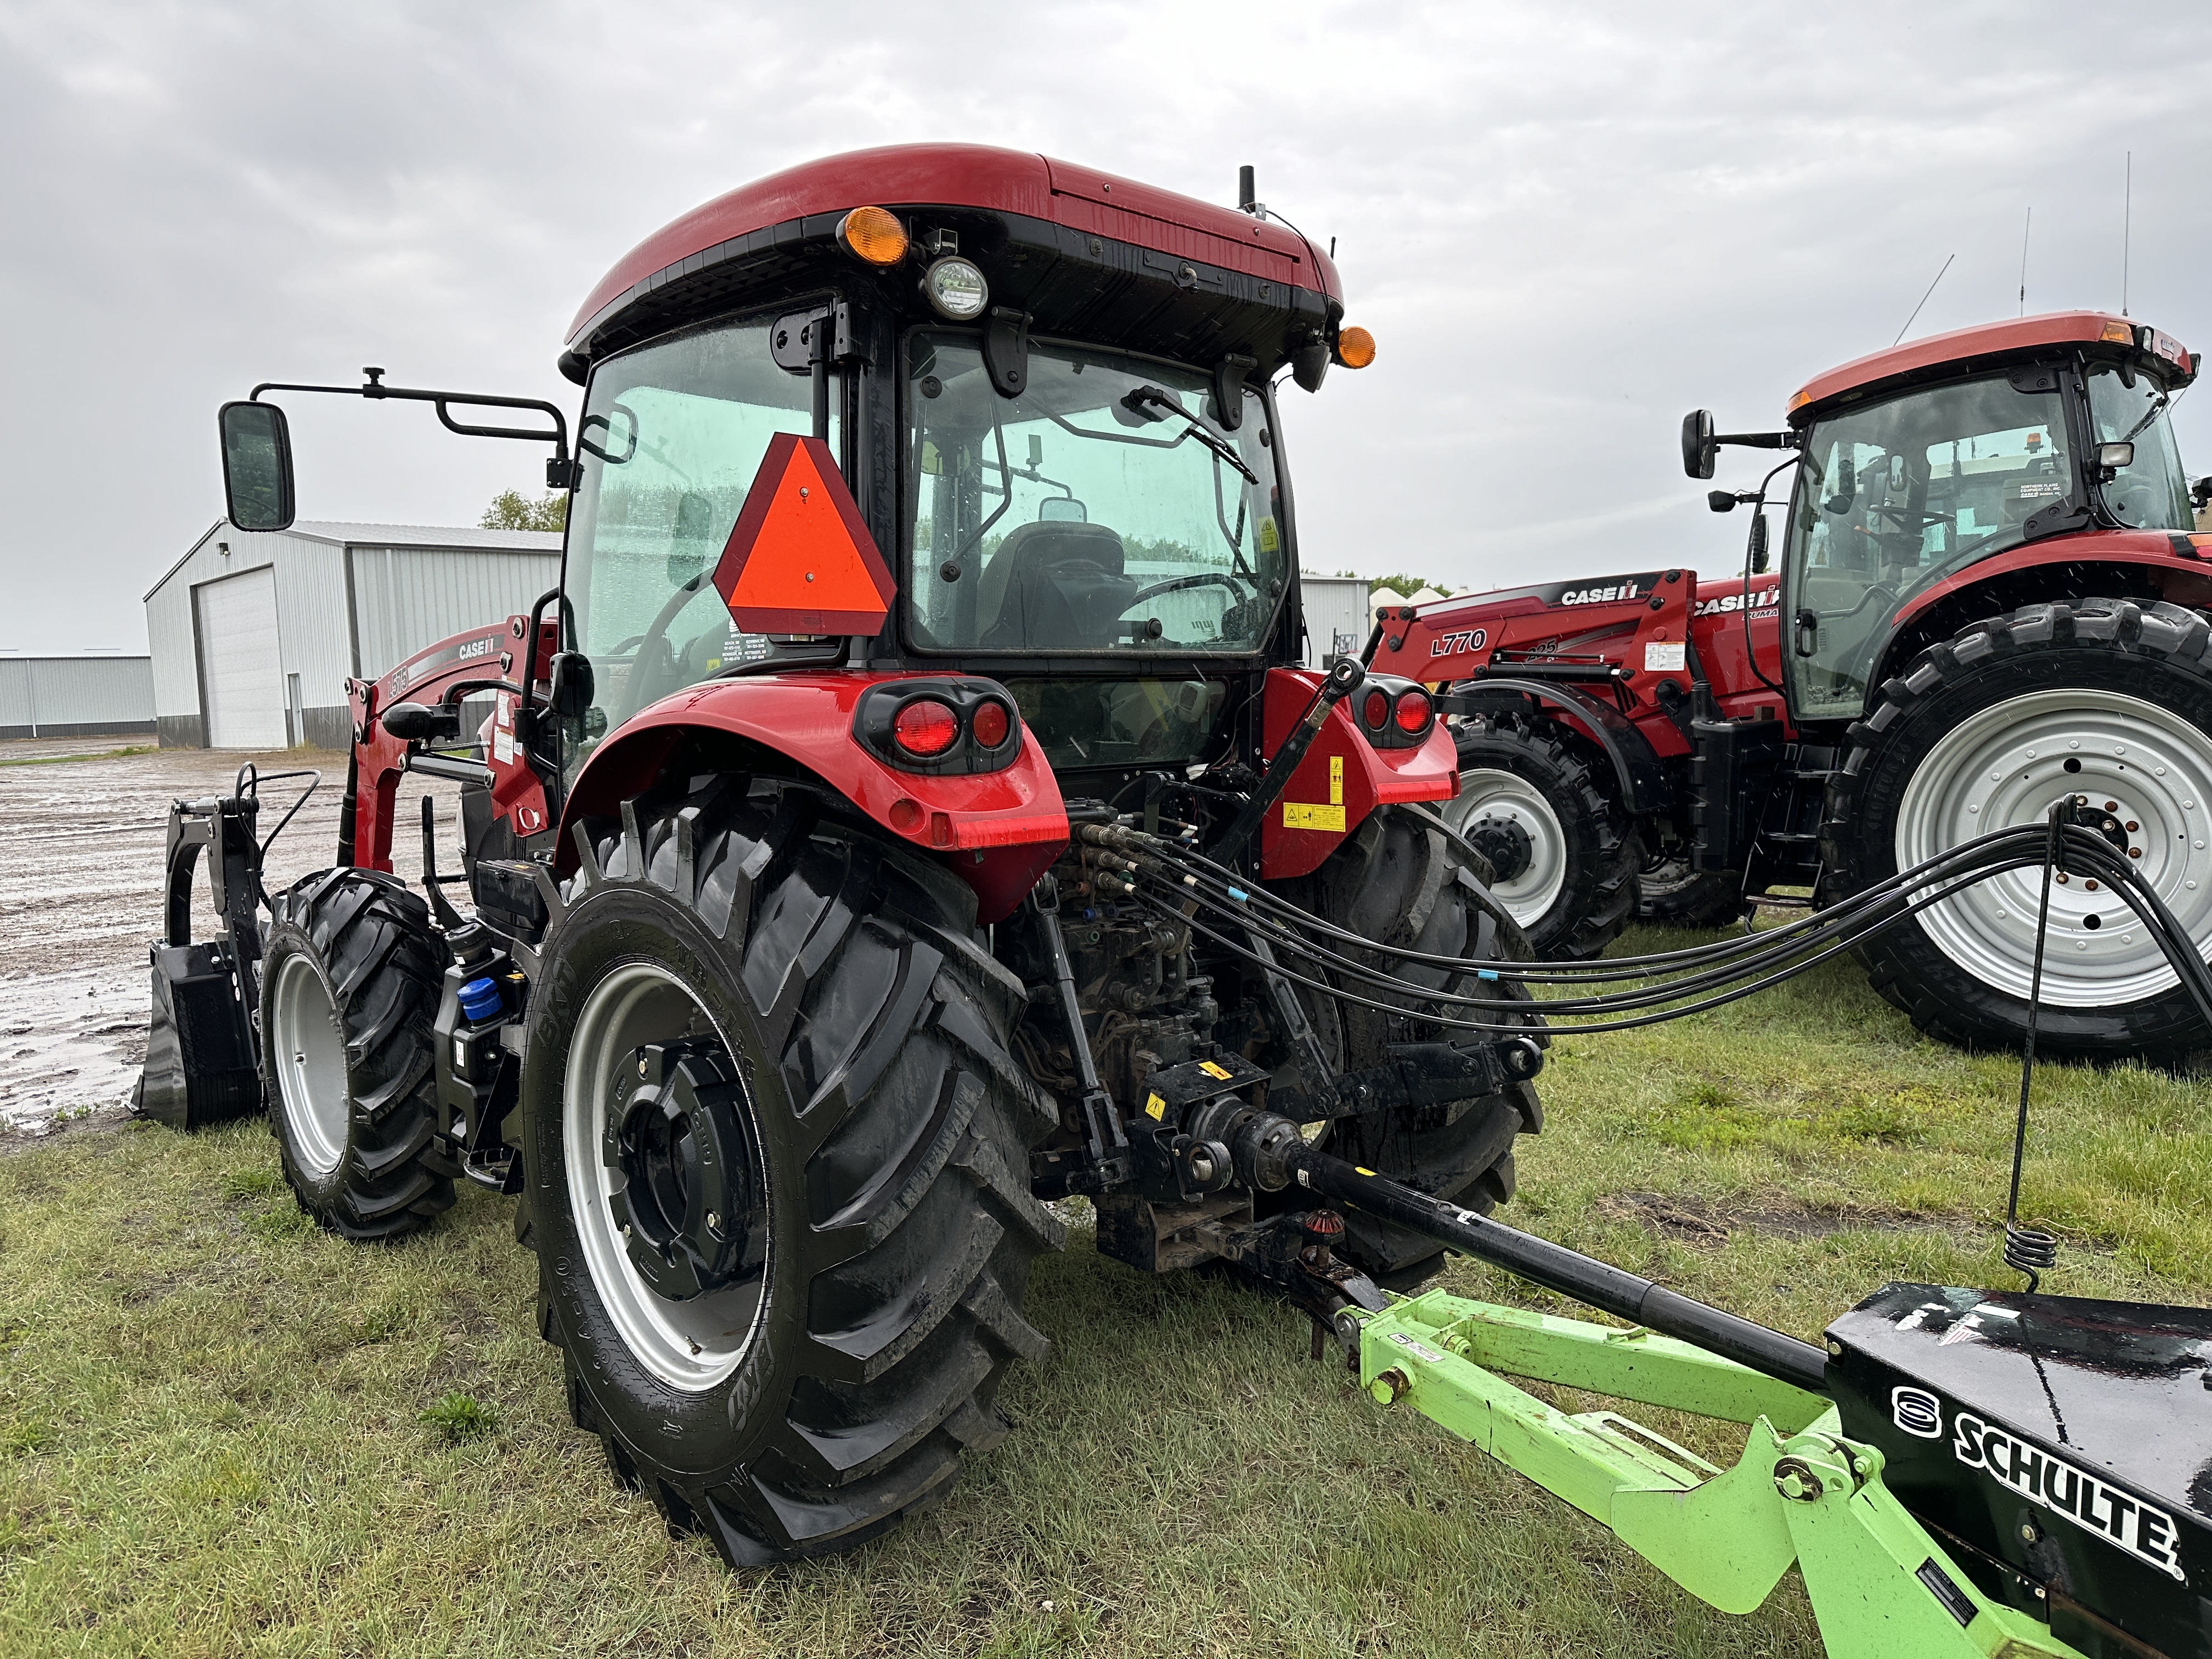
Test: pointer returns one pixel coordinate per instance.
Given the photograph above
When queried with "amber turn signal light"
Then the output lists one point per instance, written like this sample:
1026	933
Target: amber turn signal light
874	234
1355	348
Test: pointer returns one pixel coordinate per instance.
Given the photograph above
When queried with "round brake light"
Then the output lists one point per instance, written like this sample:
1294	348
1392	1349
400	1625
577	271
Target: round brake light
926	728
1376	709
1413	710
989	724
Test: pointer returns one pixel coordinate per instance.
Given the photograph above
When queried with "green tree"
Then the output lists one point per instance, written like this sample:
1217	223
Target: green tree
511	510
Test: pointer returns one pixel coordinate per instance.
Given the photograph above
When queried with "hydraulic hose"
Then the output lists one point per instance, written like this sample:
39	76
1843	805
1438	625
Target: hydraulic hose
1731	969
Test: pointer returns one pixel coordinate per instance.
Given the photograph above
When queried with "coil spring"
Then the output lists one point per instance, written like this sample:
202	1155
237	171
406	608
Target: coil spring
2029	1250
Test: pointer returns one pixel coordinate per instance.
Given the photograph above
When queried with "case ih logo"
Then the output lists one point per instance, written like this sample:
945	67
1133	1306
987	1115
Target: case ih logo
1729	602
1604	591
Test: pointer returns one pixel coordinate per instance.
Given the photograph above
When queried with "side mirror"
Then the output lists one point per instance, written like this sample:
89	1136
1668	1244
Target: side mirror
415	722
2113	457
1309	365
1062	509
1755	549
1698	448
257	466
1721	501
572	684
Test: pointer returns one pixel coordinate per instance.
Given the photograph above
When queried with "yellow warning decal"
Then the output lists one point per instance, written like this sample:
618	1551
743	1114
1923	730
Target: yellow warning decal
1155	1109
1336	780
1363	1169
1212	1070
1299	815
1271	540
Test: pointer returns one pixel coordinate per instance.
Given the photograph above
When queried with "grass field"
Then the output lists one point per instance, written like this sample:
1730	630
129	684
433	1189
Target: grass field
223	1432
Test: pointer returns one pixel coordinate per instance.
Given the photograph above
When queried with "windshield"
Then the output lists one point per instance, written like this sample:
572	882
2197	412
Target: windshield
1106	508
1895	494
2152	492
672	434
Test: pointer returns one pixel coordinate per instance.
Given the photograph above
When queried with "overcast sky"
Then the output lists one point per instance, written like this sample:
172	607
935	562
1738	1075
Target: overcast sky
1565	224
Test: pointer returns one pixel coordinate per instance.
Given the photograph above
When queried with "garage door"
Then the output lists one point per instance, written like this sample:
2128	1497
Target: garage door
240	672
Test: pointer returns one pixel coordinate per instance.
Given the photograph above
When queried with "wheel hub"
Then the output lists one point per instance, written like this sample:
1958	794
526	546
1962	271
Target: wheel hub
2140	776
1504	843
685	1205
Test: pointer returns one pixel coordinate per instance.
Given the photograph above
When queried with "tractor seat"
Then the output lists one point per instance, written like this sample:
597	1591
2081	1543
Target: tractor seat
1055	584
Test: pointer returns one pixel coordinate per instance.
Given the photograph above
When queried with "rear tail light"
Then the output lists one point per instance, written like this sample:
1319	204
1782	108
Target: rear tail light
1375	709
989	725
1414	711
926	728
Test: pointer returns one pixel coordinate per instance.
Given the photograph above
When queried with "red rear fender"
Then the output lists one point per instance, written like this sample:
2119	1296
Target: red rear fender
999	832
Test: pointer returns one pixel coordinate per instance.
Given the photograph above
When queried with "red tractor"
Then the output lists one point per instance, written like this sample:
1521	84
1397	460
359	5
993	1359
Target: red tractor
1993	596
930	600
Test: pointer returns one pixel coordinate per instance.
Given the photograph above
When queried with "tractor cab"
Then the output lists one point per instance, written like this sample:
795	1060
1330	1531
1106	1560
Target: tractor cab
1917	463
1051	395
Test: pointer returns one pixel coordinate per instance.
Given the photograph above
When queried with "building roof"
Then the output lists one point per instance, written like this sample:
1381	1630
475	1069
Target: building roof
897	176
339	532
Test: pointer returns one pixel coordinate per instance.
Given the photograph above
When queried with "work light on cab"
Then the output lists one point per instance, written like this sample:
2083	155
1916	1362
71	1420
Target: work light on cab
955	288
1355	348
874	235
926	728
1415	712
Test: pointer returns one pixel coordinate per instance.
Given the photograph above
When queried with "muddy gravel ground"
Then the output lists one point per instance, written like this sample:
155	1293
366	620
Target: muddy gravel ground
80	842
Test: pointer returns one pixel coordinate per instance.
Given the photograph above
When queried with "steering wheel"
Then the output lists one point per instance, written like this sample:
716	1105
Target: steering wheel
1177	584
634	691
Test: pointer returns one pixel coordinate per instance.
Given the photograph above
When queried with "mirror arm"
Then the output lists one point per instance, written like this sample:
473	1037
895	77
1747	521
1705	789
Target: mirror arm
1790	440
562	473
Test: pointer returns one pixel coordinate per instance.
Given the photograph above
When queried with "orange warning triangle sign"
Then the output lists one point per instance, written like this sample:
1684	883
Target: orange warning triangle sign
799	560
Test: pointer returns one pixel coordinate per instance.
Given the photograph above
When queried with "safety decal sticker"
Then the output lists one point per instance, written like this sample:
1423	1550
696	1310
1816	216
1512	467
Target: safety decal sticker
1155	1109
1212	1069
1662	655
1336	780
1420	1350
2149	1535
1301	815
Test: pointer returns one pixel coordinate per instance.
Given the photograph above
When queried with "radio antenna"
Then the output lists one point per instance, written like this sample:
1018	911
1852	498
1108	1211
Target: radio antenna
1923	299
2025	229
2127	227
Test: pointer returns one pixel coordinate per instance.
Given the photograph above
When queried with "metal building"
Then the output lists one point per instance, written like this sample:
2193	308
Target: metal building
1337	617
254	634
76	697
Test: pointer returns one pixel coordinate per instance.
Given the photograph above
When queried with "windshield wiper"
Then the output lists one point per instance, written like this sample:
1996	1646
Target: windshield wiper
1148	397
2155	409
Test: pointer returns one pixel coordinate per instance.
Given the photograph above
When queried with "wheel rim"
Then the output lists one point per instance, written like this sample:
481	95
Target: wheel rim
311	1069
692	1345
2004	767
1488	792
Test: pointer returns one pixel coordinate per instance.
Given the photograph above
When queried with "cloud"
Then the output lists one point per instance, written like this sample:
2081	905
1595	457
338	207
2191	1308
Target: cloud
1564	225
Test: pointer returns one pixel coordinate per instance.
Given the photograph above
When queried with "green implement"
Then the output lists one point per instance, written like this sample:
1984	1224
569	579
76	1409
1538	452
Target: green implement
1881	1587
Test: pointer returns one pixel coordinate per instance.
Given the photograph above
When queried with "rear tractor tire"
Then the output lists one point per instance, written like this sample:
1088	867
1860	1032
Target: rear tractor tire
2104	698
1564	854
1400	880
778	1168
351	977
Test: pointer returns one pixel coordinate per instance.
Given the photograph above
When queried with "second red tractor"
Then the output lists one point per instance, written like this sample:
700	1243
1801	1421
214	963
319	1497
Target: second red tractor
1990	593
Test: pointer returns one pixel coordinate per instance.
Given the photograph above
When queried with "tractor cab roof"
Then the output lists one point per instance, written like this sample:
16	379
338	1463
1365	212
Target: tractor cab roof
1992	345
1049	231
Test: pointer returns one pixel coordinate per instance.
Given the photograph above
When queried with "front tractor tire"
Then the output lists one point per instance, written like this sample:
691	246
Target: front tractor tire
2104	698
1564	854
778	1168
350	976
1401	880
